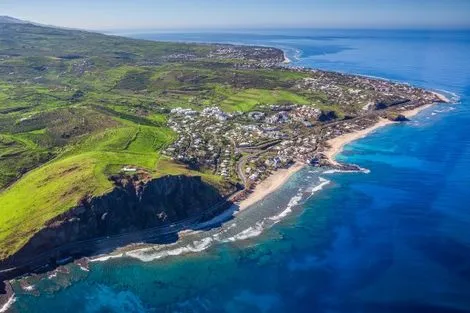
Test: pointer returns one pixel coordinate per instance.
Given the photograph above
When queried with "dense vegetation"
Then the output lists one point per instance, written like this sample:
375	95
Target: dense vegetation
77	107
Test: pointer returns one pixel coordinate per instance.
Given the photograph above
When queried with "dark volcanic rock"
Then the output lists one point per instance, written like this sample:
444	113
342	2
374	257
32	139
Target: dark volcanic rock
319	160
400	118
127	211
6	293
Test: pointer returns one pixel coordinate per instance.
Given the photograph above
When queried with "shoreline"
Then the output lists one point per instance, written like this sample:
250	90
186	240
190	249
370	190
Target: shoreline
269	185
278	178
7	298
286	58
5	306
441	97
337	144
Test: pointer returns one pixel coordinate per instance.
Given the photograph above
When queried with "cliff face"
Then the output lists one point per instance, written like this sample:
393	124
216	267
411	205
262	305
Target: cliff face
128	209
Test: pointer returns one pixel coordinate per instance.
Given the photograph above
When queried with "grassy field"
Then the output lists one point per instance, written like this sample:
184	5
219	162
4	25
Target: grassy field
83	170
247	100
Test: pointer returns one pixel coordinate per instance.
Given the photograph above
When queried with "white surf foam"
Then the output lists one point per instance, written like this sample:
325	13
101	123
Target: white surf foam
286	59
323	183
28	288
106	258
222	235
250	232
260	226
298	54
52	275
8	304
454	98
360	170
151	254
281	215
145	255
334	171
201	245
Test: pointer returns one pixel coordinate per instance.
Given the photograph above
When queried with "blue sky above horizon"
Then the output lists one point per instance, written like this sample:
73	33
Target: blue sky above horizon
227	14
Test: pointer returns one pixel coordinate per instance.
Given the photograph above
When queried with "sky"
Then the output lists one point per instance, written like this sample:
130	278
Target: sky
233	14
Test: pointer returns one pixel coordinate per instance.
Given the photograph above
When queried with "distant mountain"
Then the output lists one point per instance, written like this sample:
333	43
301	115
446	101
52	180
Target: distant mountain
11	20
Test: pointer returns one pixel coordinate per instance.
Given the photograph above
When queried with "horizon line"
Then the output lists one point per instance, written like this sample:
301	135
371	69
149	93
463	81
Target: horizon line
196	29
276	28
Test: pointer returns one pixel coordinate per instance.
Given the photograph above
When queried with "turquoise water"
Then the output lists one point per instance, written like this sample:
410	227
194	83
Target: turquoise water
395	239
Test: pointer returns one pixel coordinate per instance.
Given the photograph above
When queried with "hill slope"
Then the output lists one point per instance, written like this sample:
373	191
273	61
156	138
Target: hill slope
78	107
11	20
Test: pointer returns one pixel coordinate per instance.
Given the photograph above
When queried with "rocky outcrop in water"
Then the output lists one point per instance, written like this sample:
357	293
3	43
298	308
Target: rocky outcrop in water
400	118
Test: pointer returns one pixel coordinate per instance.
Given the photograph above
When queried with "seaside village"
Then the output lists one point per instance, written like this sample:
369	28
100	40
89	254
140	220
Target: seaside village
249	146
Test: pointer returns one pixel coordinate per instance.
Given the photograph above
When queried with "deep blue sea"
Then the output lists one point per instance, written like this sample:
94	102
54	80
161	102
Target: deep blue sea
396	239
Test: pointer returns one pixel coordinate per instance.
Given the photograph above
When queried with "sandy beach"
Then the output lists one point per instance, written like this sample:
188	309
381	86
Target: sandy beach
273	182
337	144
270	185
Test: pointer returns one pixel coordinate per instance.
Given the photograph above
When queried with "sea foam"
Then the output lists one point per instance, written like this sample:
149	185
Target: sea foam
8	304
106	258
360	170
151	254
323	183
28	288
250	232
225	234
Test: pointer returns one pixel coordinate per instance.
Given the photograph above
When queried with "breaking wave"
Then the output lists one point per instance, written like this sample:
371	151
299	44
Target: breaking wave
52	275
250	232
29	288
106	258
323	183
360	170
229	233
155	253
8	304
453	97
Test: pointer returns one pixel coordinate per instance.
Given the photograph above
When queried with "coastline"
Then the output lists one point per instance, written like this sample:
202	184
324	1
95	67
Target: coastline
7	298
270	185
441	97
5	306
337	144
286	59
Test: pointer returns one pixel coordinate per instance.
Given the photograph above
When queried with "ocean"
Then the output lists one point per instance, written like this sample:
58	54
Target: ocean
394	238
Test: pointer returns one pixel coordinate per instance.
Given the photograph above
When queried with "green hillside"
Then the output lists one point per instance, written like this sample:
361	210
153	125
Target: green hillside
78	107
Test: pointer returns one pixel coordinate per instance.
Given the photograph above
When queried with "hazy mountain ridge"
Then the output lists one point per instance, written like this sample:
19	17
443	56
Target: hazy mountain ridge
11	20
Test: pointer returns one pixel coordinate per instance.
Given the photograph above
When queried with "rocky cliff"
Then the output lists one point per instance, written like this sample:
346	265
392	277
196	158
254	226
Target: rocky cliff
120	217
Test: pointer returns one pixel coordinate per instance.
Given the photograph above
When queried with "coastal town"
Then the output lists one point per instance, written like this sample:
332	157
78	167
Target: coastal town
249	146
